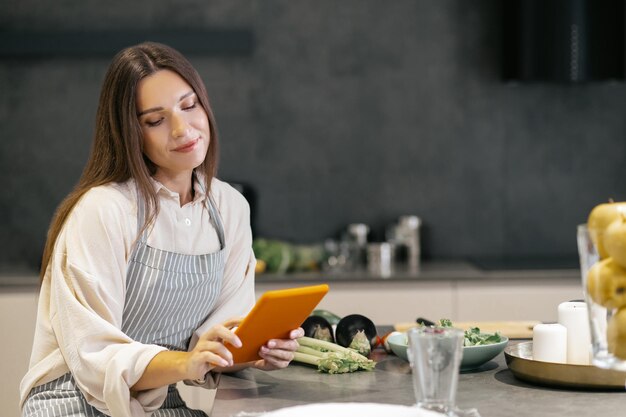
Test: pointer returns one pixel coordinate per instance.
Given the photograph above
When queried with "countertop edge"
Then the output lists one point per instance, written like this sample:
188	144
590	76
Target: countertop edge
429	272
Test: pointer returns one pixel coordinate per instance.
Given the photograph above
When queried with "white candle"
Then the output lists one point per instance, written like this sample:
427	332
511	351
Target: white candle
550	343
573	315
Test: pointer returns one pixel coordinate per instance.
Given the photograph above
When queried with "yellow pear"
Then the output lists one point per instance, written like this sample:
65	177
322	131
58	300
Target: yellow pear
599	219
614	240
616	334
606	284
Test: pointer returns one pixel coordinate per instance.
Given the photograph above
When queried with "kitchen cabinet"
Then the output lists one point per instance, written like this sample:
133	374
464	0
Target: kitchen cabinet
385	302
18	311
457	291
515	299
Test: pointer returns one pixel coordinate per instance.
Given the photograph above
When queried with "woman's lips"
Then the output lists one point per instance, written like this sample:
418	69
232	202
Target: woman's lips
187	147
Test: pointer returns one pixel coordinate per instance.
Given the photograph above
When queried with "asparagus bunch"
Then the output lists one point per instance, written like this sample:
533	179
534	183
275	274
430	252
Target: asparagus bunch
330	357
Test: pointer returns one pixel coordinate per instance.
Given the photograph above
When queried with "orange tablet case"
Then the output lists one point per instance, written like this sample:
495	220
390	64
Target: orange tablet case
273	316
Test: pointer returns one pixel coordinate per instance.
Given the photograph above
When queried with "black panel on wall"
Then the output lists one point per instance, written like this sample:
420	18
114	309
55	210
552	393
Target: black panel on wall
29	44
564	40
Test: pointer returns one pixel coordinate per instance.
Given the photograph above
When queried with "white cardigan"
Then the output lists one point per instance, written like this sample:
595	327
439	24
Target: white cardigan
82	295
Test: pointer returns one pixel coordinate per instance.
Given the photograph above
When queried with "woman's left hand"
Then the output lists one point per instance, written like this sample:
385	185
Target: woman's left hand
277	353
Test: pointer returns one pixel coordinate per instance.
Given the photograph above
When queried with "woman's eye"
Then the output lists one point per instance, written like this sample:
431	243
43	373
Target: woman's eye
152	123
190	106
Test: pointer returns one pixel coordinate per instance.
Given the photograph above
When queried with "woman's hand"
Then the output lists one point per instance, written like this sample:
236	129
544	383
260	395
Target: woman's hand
169	367
277	353
210	351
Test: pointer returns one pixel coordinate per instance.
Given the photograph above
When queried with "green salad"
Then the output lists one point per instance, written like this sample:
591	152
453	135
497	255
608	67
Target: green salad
473	336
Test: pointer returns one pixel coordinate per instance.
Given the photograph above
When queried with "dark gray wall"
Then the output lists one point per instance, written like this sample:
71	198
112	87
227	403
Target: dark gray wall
347	111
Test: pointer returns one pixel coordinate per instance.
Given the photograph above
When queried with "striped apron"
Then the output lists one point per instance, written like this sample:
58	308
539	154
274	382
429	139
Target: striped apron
168	296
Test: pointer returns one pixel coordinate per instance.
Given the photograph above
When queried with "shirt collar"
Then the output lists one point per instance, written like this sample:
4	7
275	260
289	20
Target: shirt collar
198	187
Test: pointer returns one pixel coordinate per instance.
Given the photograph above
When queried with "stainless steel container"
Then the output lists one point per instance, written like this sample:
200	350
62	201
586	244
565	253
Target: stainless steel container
380	259
357	239
406	236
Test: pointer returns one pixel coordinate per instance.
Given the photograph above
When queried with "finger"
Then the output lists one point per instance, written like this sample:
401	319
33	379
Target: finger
220	333
282	344
229	324
297	333
271	364
212	333
276	359
215	358
214	346
276	354
228	336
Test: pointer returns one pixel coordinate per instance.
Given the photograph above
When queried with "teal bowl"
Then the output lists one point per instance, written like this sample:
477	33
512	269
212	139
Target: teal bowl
473	356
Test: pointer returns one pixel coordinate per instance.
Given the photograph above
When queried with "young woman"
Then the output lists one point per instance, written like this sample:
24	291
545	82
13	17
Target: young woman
148	262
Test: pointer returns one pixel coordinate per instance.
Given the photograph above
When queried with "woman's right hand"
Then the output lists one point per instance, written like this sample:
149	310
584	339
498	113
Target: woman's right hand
210	351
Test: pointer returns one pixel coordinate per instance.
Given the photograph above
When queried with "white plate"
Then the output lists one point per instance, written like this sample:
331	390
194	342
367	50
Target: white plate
346	409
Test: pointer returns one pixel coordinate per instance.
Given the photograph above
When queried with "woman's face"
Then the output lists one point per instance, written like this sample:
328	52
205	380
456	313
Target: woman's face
175	126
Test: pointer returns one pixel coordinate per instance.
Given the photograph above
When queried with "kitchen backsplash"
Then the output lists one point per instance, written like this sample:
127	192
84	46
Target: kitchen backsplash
345	112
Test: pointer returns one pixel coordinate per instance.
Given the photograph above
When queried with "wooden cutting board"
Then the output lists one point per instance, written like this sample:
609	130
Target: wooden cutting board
511	329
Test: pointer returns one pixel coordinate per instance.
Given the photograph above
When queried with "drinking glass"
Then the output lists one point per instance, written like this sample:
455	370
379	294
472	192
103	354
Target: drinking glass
435	356
602	320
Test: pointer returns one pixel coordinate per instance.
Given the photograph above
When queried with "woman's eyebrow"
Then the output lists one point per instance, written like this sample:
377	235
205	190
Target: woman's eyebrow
153	109
184	96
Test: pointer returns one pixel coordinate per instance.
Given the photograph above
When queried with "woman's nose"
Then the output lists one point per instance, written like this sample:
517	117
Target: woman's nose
180	127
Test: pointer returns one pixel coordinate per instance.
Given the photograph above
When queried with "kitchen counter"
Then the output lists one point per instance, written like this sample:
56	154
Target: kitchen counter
18	278
429	271
493	390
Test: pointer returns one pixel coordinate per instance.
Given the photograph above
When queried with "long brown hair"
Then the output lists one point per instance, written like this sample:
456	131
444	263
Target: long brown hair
117	149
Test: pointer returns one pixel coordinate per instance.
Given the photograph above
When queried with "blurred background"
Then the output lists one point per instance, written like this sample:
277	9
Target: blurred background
331	113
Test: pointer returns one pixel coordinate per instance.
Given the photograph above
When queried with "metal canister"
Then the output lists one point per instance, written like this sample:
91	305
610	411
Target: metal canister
408	235
357	234
380	259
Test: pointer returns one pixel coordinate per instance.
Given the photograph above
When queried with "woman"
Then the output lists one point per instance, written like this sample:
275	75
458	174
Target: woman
148	260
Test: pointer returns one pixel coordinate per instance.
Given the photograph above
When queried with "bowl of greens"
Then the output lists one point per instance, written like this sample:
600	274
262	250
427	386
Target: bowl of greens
478	348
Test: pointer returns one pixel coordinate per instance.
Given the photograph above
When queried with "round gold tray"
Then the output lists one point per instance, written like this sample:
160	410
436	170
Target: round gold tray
519	360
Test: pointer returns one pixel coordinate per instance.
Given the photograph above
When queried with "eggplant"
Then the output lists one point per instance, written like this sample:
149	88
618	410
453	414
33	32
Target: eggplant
318	328
332	318
356	332
425	322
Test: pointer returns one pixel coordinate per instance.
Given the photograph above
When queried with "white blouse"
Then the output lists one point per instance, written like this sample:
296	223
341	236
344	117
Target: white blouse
82	295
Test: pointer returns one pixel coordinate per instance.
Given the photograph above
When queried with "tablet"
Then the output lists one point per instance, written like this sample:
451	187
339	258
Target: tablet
273	316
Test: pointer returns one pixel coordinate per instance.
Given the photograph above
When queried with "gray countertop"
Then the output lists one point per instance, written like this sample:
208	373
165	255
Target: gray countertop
429	271
493	390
